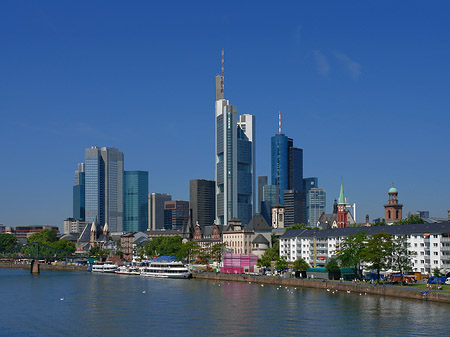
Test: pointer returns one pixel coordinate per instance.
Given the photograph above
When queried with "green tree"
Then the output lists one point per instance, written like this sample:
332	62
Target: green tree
378	252
300	264
412	220
64	245
436	272
94	251
281	263
332	266
163	246
189	250
46	236
216	252
297	226
400	255
271	254
381	223
351	250
7	242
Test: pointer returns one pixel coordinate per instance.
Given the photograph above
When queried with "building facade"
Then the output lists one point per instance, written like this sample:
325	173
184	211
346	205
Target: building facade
104	187
315	205
176	214
234	159
342	209
295	207
262	181
271	194
72	225
202	201
79	193
428	243
156	210
135	201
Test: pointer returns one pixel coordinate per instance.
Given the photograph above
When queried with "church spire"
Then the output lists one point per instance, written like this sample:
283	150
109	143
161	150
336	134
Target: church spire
341	195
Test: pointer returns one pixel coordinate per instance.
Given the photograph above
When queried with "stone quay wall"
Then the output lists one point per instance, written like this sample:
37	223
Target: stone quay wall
383	290
44	266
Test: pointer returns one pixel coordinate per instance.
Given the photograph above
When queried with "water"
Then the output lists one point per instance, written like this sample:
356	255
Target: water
115	305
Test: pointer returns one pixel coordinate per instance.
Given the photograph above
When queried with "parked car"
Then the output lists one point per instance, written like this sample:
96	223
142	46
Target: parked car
447	281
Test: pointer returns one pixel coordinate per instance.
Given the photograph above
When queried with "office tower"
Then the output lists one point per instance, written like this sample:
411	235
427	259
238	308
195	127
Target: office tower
235	160
176	214
202	201
156	210
286	163
309	183
104	187
135	201
262	181
315	204
79	193
295	207
271	194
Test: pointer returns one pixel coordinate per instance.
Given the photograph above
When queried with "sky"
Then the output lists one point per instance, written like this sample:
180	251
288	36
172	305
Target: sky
363	88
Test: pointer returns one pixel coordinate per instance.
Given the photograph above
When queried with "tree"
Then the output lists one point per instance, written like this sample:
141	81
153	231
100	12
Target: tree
412	220
332	266
216	251
94	251
300	264
271	254
7	242
64	245
163	246
378	252
46	236
400	255
281	263
436	272
380	223
297	226
189	250
350	251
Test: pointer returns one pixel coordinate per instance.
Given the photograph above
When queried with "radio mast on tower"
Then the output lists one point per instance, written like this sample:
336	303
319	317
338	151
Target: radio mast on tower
222	84
279	122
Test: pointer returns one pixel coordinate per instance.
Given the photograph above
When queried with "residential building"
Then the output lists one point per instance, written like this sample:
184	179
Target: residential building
202	201
315	205
79	193
156	210
262	181
176	214
428	243
135	207
392	210
104	187
235	160
72	225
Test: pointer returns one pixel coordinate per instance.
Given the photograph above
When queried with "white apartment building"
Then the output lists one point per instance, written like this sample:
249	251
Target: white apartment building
429	243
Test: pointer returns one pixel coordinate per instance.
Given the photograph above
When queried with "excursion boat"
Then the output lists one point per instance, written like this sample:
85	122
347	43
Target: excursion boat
175	269
128	270
104	267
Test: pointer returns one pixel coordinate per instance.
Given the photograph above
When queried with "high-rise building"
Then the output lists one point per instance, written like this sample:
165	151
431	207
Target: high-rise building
176	214
262	181
79	193
308	184
104	187
295	207
135	201
235	160
271	193
156	210
315	204
202	201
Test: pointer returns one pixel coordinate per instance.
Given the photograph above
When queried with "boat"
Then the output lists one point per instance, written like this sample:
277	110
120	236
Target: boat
174	269
128	270
104	267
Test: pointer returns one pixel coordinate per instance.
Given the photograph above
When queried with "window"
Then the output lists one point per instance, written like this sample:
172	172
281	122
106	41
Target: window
415	245
435	253
435	262
435	244
422	261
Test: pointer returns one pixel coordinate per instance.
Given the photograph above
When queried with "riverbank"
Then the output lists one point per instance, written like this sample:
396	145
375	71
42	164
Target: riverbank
359	288
44	266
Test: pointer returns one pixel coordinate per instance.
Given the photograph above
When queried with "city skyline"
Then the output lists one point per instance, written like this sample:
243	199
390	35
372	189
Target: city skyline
363	93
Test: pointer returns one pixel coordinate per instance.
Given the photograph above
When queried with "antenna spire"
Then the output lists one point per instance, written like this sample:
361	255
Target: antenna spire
279	121
222	79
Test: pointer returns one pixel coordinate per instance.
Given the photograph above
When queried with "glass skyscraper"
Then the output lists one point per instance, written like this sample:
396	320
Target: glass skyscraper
104	187
135	201
79	193
316	203
280	162
235	161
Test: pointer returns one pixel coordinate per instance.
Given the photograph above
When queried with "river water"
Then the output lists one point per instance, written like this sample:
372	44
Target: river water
84	304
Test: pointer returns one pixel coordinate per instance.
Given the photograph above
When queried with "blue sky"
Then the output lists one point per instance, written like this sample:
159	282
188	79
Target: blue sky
363	89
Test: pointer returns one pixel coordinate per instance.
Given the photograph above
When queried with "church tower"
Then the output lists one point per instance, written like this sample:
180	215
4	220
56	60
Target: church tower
342	209
392	210
93	233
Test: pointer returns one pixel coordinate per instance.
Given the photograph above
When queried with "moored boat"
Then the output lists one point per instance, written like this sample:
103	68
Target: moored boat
104	267
128	270
175	269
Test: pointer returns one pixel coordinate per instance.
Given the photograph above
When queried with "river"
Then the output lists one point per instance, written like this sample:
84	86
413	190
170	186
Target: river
61	303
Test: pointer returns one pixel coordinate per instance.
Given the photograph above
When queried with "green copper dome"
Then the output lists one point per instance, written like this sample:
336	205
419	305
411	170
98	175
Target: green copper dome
393	190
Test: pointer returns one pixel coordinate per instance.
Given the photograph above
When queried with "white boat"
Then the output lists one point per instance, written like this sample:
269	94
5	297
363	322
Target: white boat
174	269
104	267
128	270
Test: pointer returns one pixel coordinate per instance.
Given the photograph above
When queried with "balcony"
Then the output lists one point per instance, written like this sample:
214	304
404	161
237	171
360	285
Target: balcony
445	239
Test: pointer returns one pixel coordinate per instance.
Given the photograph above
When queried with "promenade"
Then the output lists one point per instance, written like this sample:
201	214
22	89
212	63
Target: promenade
357	288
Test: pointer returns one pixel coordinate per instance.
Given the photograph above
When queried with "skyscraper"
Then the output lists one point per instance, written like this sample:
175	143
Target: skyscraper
79	193
135	206
262	180
156	210
295	207
271	194
202	201
315	205
176	214
104	187
235	160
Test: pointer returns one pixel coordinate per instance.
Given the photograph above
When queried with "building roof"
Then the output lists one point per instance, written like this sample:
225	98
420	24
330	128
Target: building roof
258	223
260	239
434	228
341	200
